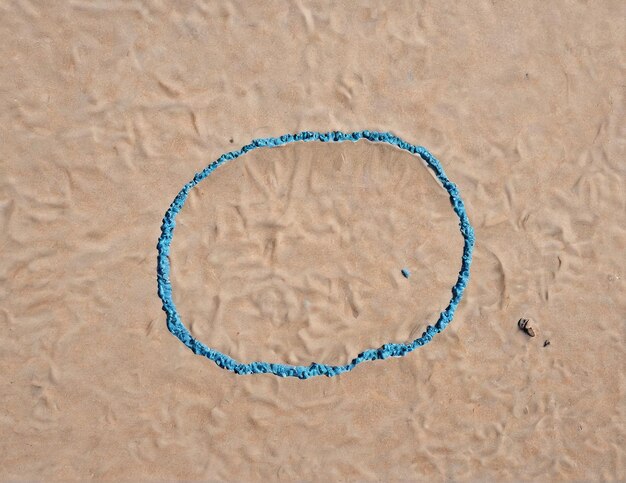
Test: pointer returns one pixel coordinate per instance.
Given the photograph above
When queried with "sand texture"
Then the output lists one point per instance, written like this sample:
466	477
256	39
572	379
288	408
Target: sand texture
294	254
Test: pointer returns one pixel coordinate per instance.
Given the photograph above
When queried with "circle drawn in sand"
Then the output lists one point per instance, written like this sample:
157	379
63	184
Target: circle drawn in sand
224	361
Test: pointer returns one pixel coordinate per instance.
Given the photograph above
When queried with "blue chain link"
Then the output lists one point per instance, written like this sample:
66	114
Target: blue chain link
224	361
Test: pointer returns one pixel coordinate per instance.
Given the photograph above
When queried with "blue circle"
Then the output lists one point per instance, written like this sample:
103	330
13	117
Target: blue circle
224	361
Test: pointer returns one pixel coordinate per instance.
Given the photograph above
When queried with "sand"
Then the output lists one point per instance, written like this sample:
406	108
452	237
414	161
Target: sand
294	254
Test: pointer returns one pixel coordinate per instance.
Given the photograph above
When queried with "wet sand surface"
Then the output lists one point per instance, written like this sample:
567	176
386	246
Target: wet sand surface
294	254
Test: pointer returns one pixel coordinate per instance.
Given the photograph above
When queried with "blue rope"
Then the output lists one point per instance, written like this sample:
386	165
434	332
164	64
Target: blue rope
224	361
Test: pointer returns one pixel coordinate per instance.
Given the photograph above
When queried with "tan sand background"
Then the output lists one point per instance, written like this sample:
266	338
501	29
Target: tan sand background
293	254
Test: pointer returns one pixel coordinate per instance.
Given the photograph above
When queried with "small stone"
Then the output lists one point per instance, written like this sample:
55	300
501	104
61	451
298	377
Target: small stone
526	326
405	272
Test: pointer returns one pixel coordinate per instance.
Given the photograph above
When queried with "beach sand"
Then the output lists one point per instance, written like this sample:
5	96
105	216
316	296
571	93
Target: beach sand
294	254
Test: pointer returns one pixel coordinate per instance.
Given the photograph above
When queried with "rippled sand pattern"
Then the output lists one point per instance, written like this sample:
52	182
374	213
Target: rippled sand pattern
294	254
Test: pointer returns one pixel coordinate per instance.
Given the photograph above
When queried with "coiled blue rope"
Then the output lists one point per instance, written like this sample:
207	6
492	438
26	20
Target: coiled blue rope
224	361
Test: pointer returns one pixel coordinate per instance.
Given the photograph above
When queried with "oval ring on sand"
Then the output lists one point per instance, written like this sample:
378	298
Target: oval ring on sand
224	361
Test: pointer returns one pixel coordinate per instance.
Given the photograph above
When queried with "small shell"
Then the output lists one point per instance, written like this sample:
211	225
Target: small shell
530	331
522	323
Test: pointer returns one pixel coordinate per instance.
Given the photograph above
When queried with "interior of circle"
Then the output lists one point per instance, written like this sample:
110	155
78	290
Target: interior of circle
295	254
